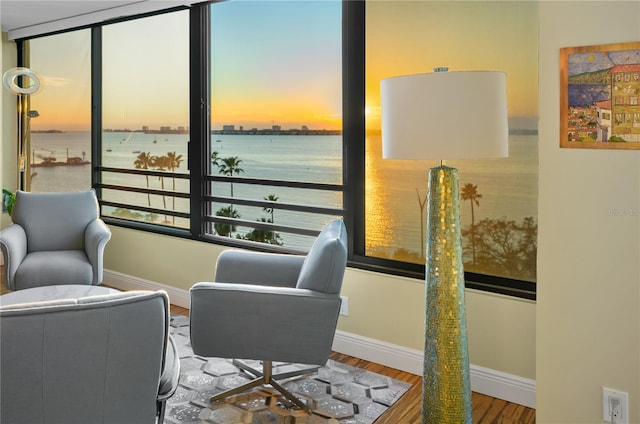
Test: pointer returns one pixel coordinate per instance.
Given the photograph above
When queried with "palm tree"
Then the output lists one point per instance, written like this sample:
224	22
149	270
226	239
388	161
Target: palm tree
262	235
144	161
273	237
470	192
269	210
215	160
230	166
173	162
224	229
161	163
422	202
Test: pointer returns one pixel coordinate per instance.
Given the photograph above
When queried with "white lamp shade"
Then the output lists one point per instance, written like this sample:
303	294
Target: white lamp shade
445	115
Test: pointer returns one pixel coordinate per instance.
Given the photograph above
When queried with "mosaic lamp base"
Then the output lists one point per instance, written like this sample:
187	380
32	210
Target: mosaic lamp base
446	394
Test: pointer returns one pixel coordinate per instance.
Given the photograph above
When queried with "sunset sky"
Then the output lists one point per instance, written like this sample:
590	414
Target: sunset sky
411	37
280	62
277	62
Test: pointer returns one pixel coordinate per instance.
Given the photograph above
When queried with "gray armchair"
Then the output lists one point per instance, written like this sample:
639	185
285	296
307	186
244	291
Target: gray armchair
272	307
55	238
101	359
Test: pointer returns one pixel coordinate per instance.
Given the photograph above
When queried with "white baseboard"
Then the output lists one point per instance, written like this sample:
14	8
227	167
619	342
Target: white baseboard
178	297
390	355
498	384
505	386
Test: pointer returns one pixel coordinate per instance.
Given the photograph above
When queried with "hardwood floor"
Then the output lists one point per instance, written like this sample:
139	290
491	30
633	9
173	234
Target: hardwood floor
486	410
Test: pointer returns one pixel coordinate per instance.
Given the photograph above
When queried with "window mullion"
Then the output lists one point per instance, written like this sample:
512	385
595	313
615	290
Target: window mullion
200	111
353	122
96	108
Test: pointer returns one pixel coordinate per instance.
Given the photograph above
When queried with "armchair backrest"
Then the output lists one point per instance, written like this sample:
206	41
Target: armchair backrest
324	266
87	360
55	221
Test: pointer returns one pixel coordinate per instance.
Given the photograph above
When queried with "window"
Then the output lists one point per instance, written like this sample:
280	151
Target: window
498	196
275	169
254	123
60	114
145	120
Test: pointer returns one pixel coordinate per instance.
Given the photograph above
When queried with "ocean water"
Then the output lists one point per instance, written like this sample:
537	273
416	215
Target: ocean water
509	189
295	158
393	220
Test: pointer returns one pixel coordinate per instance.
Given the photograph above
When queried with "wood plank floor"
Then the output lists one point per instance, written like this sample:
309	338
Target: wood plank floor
486	410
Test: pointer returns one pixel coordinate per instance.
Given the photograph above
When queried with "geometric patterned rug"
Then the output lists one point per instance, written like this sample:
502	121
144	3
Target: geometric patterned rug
336	393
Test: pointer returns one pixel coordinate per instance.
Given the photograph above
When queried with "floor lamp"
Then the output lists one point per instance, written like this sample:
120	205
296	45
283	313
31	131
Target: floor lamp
445	115
23	83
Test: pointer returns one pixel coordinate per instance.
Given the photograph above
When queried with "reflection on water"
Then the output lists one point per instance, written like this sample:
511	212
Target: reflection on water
395	188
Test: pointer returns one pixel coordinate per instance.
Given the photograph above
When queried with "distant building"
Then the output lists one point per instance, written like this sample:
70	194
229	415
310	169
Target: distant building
625	108
603	119
273	130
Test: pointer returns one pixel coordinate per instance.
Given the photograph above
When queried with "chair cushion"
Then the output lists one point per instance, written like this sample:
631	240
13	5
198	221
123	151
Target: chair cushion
55	267
55	221
324	266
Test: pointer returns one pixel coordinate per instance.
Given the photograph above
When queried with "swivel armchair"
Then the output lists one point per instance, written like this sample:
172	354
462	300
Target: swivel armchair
272	307
55	238
101	359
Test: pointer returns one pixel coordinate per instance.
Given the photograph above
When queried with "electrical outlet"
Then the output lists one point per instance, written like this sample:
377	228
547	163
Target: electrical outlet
344	306
615	406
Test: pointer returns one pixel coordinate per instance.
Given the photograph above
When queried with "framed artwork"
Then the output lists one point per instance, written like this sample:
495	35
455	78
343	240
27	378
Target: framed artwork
599	92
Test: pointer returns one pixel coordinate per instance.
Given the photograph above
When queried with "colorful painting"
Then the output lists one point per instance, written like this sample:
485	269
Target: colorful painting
600	88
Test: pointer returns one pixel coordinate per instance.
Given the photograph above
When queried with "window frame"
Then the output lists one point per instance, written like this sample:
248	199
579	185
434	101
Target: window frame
353	148
354	72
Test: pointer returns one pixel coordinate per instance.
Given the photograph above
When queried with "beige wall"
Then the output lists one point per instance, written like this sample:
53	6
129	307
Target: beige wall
588	322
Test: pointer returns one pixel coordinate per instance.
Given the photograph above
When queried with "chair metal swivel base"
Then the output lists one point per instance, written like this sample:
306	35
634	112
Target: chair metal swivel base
266	378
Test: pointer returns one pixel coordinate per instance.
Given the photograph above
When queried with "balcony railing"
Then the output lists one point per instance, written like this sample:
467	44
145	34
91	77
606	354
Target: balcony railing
274	212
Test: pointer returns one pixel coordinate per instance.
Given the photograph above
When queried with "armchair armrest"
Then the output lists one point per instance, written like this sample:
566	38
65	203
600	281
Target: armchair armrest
170	372
13	243
270	269
241	317
96	236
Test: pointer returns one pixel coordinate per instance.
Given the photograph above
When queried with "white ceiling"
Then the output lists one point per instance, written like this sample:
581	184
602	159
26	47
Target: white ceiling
23	18
22	13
